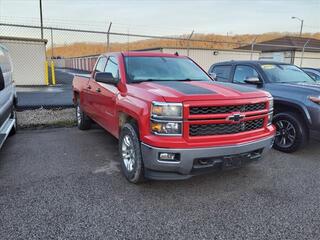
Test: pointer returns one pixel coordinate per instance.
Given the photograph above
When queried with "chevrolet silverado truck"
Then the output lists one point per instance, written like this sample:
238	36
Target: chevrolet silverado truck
296	97
8	97
172	120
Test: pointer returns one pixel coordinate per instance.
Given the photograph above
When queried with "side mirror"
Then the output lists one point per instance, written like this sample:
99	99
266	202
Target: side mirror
213	75
253	80
1	80
106	77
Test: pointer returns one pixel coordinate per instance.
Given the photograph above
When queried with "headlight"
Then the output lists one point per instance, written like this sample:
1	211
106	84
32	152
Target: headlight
166	128
271	104
166	110
166	118
314	99
270	114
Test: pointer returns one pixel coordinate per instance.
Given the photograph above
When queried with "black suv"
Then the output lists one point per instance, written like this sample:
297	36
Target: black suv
296	97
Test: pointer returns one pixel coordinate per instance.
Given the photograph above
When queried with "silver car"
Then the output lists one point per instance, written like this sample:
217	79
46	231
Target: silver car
8	97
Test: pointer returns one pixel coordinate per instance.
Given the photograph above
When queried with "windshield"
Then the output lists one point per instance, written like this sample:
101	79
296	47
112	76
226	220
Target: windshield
141	69
282	73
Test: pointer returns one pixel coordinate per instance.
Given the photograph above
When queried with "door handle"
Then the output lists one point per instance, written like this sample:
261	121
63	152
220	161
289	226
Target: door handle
98	90
89	87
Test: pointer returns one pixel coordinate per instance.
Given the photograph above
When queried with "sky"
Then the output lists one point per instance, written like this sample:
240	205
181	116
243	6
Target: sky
168	17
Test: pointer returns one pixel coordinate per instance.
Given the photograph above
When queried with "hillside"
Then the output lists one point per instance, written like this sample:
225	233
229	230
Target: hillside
94	48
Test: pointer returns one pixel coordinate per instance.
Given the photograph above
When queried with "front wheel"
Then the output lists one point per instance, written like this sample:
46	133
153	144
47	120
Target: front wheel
291	132
130	154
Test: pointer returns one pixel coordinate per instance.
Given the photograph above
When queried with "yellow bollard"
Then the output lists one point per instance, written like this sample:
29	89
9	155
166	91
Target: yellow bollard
53	75
46	73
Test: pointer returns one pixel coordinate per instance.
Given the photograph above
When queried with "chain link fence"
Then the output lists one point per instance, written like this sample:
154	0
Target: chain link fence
76	51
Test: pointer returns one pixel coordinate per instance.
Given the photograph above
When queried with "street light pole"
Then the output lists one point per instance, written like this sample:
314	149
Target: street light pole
41	20
301	24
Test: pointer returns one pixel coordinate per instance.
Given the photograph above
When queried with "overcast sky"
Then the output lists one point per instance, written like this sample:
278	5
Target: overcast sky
169	17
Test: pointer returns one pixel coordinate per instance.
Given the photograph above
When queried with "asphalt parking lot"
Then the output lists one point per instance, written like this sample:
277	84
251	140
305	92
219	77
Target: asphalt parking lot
66	184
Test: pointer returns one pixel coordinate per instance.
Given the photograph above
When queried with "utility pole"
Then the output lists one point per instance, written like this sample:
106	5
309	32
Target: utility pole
301	24
41	19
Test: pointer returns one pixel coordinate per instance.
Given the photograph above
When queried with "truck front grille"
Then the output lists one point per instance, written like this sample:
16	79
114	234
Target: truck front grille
227	109
224	128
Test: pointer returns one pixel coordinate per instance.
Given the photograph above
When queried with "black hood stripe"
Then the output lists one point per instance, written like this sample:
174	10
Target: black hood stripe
237	87
185	88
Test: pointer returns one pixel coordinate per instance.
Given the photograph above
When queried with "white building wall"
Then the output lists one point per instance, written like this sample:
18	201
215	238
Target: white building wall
276	56
205	57
28	60
310	59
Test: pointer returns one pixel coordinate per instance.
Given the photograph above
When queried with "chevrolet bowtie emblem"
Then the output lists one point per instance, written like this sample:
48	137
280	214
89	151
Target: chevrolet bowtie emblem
236	117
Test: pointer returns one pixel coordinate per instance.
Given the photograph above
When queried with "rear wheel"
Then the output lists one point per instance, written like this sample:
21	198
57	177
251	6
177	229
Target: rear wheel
291	132
130	154
83	121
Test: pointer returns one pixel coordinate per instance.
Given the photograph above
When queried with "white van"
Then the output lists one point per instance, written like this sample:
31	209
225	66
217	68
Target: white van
8	97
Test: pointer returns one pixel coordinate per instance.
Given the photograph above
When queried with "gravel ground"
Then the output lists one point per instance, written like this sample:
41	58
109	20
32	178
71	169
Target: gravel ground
46	118
64	183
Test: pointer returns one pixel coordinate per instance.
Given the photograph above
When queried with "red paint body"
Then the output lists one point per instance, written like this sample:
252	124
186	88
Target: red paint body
135	100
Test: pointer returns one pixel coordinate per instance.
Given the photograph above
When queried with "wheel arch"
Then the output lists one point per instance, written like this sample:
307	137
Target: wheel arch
285	106
127	118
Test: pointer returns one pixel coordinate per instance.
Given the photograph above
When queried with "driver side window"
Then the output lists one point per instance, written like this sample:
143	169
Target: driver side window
242	73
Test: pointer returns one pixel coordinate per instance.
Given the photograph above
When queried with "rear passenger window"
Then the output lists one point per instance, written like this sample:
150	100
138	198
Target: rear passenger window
242	73
222	72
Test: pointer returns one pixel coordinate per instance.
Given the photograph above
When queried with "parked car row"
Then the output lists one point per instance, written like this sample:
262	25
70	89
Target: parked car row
174	120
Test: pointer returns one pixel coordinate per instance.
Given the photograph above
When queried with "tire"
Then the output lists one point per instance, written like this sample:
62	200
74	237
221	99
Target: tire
15	126
292	132
130	154
83	121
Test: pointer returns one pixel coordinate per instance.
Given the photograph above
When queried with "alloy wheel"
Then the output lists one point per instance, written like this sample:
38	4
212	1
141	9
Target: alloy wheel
128	154
286	134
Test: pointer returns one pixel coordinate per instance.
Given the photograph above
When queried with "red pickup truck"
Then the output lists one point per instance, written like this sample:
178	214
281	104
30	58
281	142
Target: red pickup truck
172	120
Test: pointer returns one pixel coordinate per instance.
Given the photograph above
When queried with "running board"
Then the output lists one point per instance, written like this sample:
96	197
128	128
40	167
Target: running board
5	130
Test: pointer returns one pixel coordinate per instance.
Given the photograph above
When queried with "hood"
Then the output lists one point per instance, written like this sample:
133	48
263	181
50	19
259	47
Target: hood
177	91
293	90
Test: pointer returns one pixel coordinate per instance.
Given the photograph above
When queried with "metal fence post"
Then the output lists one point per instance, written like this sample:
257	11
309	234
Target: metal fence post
51	31
252	46
304	46
108	37
188	48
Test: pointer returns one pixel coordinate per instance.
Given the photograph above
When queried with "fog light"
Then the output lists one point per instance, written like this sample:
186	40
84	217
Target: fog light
169	157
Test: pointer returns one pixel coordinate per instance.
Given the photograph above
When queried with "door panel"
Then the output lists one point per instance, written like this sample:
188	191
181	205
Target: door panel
91	94
104	98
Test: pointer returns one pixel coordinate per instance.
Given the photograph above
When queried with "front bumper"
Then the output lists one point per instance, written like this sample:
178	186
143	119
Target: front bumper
187	166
